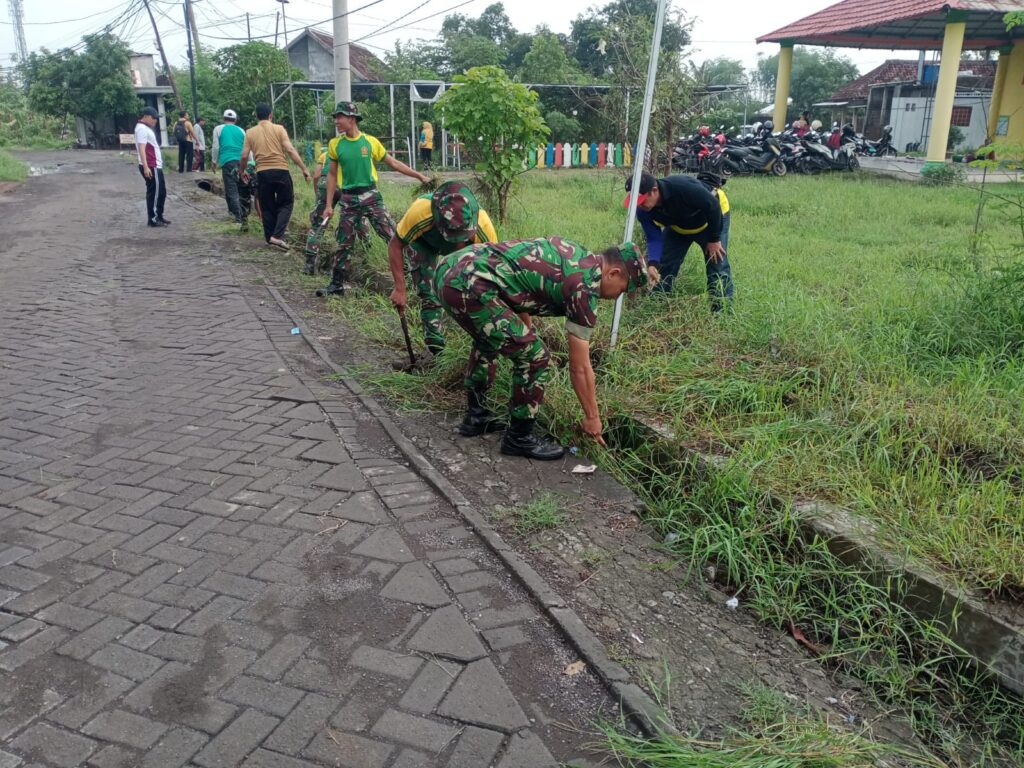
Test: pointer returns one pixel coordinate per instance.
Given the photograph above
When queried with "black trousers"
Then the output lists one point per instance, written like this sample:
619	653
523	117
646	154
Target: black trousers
276	200
184	156
156	193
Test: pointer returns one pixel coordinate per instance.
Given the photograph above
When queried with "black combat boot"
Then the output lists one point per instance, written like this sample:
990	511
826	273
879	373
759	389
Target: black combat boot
310	267
479	419
336	286
519	440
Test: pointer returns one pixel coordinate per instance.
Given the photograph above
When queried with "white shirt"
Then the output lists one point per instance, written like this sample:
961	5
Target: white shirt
197	132
147	147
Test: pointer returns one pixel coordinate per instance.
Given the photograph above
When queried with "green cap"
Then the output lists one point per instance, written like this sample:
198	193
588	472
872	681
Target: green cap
636	266
349	109
455	211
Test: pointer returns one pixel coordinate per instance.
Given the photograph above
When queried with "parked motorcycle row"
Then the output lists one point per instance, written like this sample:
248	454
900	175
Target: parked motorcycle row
764	151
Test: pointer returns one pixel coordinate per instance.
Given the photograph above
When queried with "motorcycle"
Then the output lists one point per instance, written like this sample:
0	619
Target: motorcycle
763	157
822	157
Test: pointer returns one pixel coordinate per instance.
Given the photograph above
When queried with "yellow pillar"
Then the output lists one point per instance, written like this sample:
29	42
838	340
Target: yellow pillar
782	80
1011	103
945	90
997	90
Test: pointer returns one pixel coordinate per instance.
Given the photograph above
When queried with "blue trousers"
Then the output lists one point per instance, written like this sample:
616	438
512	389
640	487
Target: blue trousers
719	274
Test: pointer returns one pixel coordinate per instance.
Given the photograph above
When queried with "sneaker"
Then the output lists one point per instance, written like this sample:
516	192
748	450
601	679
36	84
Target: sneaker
162	221
156	223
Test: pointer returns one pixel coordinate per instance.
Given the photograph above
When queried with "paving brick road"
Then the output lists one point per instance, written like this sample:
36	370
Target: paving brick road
210	556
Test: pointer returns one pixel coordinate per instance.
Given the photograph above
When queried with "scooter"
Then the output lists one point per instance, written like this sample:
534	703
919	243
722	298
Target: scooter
767	158
821	157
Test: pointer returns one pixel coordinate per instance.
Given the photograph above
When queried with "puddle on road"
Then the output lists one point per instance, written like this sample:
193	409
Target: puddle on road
45	170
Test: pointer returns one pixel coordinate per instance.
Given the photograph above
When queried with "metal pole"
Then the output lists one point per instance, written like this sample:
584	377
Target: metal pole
638	161
342	70
248	30
160	47
191	60
391	87
291	89
412	125
627	114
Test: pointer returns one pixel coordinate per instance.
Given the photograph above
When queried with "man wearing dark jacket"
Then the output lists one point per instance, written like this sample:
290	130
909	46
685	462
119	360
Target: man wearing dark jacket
676	212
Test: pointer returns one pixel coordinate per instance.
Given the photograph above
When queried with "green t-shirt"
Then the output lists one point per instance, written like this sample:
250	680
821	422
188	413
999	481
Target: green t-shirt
355	159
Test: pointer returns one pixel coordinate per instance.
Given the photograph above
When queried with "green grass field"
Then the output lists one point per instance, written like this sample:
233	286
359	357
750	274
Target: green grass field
11	169
870	361
874	358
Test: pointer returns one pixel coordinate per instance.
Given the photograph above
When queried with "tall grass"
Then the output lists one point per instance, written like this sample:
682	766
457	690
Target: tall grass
11	169
874	359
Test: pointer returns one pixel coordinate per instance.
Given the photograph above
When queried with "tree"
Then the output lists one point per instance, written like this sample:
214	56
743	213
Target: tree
718	71
563	127
469	51
817	74
592	34
244	73
92	83
497	120
548	62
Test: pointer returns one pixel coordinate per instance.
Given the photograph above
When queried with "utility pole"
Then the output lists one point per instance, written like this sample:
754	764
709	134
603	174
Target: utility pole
248	31
160	47
342	71
277	25
18	19
191	60
291	84
192	25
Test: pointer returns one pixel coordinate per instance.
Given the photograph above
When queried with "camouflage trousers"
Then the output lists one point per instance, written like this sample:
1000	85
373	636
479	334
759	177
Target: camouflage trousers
497	330
431	313
354	208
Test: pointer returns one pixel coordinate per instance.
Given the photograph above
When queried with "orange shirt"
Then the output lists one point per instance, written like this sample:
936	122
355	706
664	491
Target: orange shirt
266	141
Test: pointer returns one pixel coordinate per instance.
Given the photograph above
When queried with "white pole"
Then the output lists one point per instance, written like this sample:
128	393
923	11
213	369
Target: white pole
638	159
392	89
342	71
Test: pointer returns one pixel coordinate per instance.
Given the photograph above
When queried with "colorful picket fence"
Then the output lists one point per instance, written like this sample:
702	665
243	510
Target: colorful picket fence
583	155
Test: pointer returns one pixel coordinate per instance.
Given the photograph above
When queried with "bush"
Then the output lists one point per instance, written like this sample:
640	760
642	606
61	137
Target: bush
942	175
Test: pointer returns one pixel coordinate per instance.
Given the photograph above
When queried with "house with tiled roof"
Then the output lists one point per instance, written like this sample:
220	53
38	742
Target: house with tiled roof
312	51
901	92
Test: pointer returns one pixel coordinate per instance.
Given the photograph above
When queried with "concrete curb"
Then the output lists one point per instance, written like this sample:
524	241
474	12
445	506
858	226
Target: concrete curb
633	700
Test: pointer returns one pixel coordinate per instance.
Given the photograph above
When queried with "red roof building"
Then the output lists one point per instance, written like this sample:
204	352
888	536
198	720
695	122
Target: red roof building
949	26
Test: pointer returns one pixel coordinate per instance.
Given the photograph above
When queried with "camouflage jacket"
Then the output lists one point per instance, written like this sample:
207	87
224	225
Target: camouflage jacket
548	277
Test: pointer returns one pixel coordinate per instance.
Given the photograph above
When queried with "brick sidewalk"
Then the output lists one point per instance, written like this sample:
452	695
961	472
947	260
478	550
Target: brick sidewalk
210	557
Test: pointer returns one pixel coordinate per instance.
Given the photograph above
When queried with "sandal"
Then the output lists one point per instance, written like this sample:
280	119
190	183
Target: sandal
281	244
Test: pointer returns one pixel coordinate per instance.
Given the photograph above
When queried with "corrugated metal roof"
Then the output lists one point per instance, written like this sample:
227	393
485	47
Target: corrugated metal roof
915	24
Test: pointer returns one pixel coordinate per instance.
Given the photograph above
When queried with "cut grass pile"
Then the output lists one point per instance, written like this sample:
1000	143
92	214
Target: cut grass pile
875	358
11	169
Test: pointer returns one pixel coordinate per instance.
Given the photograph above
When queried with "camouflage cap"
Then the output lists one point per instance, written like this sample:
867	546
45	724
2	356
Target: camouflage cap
636	266
455	211
349	109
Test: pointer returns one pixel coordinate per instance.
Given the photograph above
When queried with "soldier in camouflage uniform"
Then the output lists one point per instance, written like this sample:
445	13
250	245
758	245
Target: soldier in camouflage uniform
317	223
485	287
247	192
435	225
352	155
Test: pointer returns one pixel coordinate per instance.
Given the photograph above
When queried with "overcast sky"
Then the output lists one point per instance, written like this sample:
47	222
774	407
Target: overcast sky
721	28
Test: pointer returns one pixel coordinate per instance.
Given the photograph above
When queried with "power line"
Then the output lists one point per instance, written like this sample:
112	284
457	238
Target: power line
322	21
416	21
63	21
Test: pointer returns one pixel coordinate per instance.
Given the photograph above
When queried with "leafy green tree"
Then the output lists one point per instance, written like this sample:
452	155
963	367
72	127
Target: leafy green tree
243	75
563	127
593	33
817	74
469	51
92	83
718	71
548	62
22	126
497	120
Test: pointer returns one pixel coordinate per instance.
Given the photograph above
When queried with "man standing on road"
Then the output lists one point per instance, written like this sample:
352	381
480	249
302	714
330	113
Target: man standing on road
151	166
228	139
435	225
198	130
183	135
486	288
676	212
353	154
271	147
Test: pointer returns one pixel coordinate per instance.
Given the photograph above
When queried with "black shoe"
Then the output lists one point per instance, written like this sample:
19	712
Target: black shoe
336	287
310	266
479	419
519	440
161	220
156	223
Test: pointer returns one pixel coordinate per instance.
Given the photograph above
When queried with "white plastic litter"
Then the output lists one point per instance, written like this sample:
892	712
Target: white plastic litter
584	469
732	602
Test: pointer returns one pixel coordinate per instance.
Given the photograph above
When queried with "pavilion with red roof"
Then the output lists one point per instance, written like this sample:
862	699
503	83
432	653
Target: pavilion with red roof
949	26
